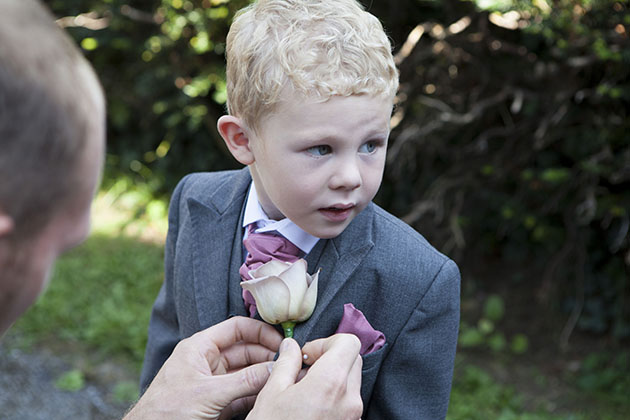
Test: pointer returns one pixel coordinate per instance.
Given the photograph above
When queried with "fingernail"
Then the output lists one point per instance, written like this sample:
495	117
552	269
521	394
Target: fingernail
305	357
284	345
269	367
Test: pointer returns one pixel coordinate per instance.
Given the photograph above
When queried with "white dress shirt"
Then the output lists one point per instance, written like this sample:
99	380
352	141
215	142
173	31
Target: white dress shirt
254	213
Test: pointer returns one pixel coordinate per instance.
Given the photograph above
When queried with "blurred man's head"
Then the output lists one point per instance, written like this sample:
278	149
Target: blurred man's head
52	133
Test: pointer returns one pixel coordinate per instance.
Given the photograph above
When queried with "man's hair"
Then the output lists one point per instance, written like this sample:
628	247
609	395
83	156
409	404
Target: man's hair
50	101
316	49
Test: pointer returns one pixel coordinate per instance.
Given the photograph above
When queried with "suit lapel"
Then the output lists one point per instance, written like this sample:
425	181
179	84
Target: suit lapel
235	302
216	227
339	259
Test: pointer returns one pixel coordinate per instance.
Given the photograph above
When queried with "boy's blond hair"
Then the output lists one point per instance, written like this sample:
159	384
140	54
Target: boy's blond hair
50	102
316	49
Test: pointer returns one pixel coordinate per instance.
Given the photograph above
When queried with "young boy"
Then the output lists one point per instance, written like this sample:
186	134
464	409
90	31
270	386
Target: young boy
52	138
310	92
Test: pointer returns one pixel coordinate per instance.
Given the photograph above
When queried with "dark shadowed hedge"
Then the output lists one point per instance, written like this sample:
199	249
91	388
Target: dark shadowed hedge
510	141
514	142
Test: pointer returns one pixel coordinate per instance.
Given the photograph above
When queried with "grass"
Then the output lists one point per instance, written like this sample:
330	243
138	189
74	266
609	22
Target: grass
477	396
101	295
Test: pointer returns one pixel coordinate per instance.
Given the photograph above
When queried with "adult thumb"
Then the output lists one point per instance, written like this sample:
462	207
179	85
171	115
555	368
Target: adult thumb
243	383
286	368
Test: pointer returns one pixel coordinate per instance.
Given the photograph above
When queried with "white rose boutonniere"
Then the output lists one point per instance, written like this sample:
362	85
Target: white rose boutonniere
284	292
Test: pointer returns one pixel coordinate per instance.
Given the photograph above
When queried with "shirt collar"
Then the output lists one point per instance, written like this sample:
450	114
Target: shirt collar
254	213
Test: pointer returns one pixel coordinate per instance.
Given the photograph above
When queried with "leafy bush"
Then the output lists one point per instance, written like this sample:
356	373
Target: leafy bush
161	63
605	375
486	334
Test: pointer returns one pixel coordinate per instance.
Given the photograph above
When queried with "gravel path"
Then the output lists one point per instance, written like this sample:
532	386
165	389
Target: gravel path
28	392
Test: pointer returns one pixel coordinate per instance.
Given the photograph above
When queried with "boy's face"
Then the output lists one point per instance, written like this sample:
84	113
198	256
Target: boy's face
321	163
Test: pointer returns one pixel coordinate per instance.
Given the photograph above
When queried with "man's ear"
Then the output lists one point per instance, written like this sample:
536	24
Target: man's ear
6	224
237	140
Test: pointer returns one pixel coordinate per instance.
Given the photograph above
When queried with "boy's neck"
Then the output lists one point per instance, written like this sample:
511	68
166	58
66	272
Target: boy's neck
255	213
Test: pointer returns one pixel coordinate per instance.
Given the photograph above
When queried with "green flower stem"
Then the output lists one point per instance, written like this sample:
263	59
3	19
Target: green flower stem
288	328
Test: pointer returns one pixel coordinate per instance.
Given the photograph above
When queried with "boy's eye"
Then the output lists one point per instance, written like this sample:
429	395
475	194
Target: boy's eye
319	150
368	147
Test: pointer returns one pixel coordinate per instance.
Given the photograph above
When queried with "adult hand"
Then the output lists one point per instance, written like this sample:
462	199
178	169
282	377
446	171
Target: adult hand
206	376
331	389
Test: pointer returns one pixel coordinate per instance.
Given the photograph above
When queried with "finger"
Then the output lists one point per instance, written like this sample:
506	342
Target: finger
354	378
244	354
237	329
241	405
243	383
333	353
301	374
336	344
353	390
286	368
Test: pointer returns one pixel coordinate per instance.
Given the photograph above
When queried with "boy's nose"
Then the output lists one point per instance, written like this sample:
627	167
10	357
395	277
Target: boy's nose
347	177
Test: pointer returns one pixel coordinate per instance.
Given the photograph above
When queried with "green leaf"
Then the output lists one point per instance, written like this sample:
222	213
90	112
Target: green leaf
555	175
497	342
519	344
72	380
125	392
470	338
494	308
89	44
485	326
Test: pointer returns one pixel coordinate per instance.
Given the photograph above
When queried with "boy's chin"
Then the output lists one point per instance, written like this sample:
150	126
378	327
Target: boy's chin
329	232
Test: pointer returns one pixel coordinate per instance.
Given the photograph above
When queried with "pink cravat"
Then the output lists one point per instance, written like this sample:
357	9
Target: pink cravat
262	248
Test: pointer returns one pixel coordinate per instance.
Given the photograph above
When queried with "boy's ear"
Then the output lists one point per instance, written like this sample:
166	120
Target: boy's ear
236	138
6	224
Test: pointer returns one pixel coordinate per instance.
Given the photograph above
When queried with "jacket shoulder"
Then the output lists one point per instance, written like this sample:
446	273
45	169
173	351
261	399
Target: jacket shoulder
403	241
200	183
217	190
391	231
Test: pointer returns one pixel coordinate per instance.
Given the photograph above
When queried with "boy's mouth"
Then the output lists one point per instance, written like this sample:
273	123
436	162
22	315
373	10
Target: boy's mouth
339	207
338	212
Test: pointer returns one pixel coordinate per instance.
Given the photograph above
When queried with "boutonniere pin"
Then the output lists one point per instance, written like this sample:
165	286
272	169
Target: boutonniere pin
285	293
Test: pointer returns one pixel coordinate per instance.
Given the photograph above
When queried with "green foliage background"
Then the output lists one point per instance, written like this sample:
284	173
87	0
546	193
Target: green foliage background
510	141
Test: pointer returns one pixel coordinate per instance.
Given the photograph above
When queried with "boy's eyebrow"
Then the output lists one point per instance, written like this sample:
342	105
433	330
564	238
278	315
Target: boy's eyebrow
373	134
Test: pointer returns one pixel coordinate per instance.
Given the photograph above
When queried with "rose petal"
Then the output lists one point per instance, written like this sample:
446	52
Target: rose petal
283	291
295	279
310	299
270	268
271	295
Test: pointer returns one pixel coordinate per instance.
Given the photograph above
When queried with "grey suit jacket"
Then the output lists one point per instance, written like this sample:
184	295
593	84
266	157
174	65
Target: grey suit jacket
405	288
